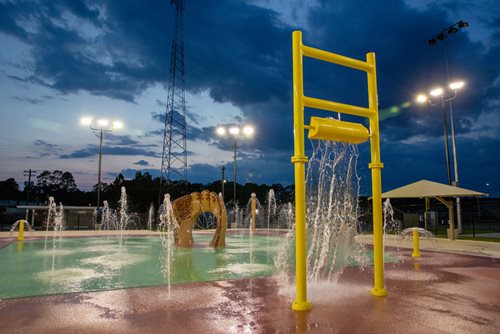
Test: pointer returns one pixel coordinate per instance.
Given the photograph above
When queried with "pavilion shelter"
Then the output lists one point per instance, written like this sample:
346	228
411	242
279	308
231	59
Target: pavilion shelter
439	191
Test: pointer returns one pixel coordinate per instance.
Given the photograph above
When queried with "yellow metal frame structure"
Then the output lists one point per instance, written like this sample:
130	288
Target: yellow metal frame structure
299	159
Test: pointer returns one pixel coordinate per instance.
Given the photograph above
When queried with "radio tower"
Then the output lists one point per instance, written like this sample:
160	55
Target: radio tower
174	155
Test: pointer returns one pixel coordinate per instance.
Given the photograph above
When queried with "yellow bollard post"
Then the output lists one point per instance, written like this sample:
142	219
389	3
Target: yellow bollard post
299	160
254	211
416	244
376	167
20	236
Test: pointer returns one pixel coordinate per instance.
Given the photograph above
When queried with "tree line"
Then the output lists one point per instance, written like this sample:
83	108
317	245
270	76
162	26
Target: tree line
142	190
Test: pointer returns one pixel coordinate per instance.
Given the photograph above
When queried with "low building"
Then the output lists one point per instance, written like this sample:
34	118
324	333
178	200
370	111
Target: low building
75	217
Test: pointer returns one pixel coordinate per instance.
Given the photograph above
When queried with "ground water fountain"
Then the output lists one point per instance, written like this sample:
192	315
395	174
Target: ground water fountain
271	208
108	220
151	213
167	225
416	234
21	225
123	214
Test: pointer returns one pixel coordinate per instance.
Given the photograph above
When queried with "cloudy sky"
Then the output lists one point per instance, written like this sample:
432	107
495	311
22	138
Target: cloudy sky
61	60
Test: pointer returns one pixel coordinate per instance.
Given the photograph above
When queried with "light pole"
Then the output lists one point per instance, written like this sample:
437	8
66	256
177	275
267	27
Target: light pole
101	125
451	94
222	181
236	132
443	36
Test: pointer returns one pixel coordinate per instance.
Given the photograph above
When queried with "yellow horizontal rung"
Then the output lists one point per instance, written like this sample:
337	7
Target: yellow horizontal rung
336	130
336	59
312	102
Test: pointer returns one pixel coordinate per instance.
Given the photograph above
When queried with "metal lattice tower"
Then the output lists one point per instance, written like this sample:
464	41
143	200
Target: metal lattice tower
174	155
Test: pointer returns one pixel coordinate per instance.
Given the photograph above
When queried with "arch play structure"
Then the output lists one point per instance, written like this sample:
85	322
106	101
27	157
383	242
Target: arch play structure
188	208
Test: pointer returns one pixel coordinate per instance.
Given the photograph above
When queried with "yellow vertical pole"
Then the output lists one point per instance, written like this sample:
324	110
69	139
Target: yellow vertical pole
416	243
20	236
299	160
254	211
376	168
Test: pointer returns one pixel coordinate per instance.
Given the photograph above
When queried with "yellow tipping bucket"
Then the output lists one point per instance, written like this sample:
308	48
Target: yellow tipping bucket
336	130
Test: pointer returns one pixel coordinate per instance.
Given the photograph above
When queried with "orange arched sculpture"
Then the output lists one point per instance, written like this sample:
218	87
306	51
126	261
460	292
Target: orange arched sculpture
187	209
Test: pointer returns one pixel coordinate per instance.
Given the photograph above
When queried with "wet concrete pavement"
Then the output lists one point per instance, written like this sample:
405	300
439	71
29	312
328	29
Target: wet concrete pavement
438	293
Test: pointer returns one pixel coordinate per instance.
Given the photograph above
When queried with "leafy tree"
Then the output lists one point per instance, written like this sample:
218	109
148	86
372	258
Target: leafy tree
9	189
57	183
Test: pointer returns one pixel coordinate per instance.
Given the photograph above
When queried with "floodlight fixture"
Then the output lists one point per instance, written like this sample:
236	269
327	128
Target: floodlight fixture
221	131
86	121
103	122
456	85
234	130
117	125
421	98
463	24
432	41
436	91
248	130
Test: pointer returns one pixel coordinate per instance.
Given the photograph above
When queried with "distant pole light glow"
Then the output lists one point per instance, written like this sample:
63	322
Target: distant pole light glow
248	130
86	120
234	130
221	131
421	98
436	92
456	85
101	125
103	122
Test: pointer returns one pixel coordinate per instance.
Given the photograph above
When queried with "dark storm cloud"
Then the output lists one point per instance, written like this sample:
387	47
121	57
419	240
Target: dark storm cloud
240	53
160	116
44	144
406	64
192	132
114	139
28	99
278	170
241	65
44	149
141	163
93	150
65	58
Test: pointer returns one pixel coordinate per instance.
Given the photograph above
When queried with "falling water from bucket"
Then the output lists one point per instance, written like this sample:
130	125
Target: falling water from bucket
331	217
